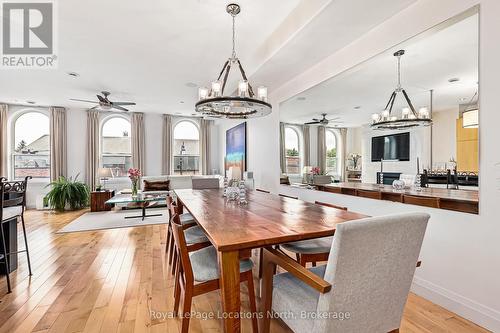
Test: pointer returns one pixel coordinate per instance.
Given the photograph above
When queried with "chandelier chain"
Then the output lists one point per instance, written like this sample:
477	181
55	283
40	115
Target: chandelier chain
399	72
234	39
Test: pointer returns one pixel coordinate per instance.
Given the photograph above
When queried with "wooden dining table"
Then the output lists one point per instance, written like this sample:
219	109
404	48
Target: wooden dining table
266	220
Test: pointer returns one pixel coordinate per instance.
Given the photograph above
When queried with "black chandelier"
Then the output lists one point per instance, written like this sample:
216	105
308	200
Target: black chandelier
409	116
213	103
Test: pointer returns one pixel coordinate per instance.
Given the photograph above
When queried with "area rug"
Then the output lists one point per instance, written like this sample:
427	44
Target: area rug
114	220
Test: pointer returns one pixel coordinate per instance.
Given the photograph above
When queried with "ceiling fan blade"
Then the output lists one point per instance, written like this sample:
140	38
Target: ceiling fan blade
101	99
83	100
312	123
123	103
119	108
333	119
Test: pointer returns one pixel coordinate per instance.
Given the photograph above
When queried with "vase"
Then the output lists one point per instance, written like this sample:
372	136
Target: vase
134	188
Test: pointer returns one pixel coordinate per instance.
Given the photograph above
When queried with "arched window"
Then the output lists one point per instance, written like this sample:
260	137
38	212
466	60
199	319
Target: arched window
31	150
116	152
331	152
186	152
292	151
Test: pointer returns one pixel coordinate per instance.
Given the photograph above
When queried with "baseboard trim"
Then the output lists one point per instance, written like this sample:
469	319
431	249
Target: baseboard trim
481	315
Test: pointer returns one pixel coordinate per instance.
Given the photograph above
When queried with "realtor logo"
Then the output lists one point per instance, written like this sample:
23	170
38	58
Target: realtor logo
28	35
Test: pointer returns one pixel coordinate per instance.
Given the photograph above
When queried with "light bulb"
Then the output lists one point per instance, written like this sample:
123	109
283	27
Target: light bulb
423	113
202	93
216	88
375	117
385	114
262	93
405	113
242	88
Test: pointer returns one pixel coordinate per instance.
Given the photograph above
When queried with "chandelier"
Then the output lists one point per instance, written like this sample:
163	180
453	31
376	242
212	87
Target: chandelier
213	103
409	117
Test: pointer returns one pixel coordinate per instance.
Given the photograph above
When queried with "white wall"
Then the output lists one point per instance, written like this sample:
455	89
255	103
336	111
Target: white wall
461	254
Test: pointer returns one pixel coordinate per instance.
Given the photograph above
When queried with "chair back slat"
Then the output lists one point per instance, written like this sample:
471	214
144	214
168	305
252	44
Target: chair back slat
329	205
371	267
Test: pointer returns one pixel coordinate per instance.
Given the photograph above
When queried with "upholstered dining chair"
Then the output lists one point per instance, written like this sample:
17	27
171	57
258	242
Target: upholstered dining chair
12	206
198	273
202	183
363	287
312	250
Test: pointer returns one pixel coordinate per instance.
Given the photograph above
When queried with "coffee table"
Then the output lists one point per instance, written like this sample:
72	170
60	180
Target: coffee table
142	201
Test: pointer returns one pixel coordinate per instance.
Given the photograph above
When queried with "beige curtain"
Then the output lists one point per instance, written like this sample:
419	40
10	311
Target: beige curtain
167	143
322	148
343	153
58	143
3	140
205	133
307	145
92	162
282	148
138	141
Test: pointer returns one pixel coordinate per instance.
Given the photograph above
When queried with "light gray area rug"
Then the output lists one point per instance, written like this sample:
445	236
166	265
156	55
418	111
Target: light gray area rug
114	220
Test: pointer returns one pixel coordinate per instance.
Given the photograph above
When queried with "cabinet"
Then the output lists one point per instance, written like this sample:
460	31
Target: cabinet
98	200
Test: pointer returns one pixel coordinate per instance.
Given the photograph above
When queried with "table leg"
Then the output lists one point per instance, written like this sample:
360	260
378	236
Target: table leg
229	264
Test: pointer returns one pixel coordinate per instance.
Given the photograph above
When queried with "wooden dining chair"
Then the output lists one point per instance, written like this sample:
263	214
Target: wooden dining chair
421	201
312	250
198	274
261	190
288	196
369	194
365	255
12	206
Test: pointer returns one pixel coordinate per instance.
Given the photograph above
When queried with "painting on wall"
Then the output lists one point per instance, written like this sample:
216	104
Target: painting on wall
236	151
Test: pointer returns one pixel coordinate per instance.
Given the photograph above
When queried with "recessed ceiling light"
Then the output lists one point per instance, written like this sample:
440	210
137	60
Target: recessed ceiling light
30	102
357	107
301	98
182	102
454	79
73	74
191	85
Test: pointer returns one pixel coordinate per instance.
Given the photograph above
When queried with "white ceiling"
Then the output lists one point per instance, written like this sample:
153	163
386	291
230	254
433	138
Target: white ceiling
148	52
450	52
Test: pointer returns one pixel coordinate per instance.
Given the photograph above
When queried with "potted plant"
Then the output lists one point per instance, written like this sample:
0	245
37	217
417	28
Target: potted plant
67	193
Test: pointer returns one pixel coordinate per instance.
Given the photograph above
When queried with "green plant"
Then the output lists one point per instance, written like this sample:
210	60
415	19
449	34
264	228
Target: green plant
66	191
292	152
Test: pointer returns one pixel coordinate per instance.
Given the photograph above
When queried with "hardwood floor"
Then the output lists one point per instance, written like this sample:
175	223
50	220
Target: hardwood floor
117	281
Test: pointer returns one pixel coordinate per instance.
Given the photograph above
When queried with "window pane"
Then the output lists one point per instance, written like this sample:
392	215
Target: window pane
116	146
331	152
292	151
186	148
31	146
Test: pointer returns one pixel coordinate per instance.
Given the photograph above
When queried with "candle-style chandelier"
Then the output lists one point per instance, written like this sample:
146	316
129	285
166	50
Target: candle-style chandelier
213	103
409	116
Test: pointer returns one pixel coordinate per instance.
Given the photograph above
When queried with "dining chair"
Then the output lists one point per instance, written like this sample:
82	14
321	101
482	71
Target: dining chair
312	250
288	196
422	201
202	183
363	287
198	274
369	194
261	190
12	206
194	236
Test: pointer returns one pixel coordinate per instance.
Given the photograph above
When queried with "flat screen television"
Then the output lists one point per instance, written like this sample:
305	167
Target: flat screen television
391	147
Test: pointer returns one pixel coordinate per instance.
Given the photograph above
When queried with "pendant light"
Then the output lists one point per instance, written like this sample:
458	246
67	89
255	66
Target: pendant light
246	104
409	118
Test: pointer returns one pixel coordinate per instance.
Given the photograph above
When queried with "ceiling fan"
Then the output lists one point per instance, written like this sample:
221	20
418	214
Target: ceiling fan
322	121
104	103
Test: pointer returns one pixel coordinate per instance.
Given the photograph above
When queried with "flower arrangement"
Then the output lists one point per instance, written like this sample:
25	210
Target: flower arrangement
354	158
316	171
134	174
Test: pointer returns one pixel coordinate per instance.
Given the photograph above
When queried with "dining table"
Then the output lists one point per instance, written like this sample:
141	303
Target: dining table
265	220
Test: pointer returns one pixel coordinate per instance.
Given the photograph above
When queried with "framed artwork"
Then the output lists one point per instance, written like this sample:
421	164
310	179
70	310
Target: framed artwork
236	151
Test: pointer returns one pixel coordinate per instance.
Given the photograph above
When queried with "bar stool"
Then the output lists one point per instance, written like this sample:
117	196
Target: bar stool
12	206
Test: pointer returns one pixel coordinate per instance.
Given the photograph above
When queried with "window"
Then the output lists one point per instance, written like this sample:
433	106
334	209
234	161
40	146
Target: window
31	151
292	153
331	153
116	152
186	148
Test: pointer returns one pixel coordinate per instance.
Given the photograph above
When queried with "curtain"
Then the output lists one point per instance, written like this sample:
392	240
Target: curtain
205	133
92	162
138	141
322	148
58	143
166	167
307	145
343	153
282	148
3	140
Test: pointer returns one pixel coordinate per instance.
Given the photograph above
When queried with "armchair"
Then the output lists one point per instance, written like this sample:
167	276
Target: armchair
363	287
